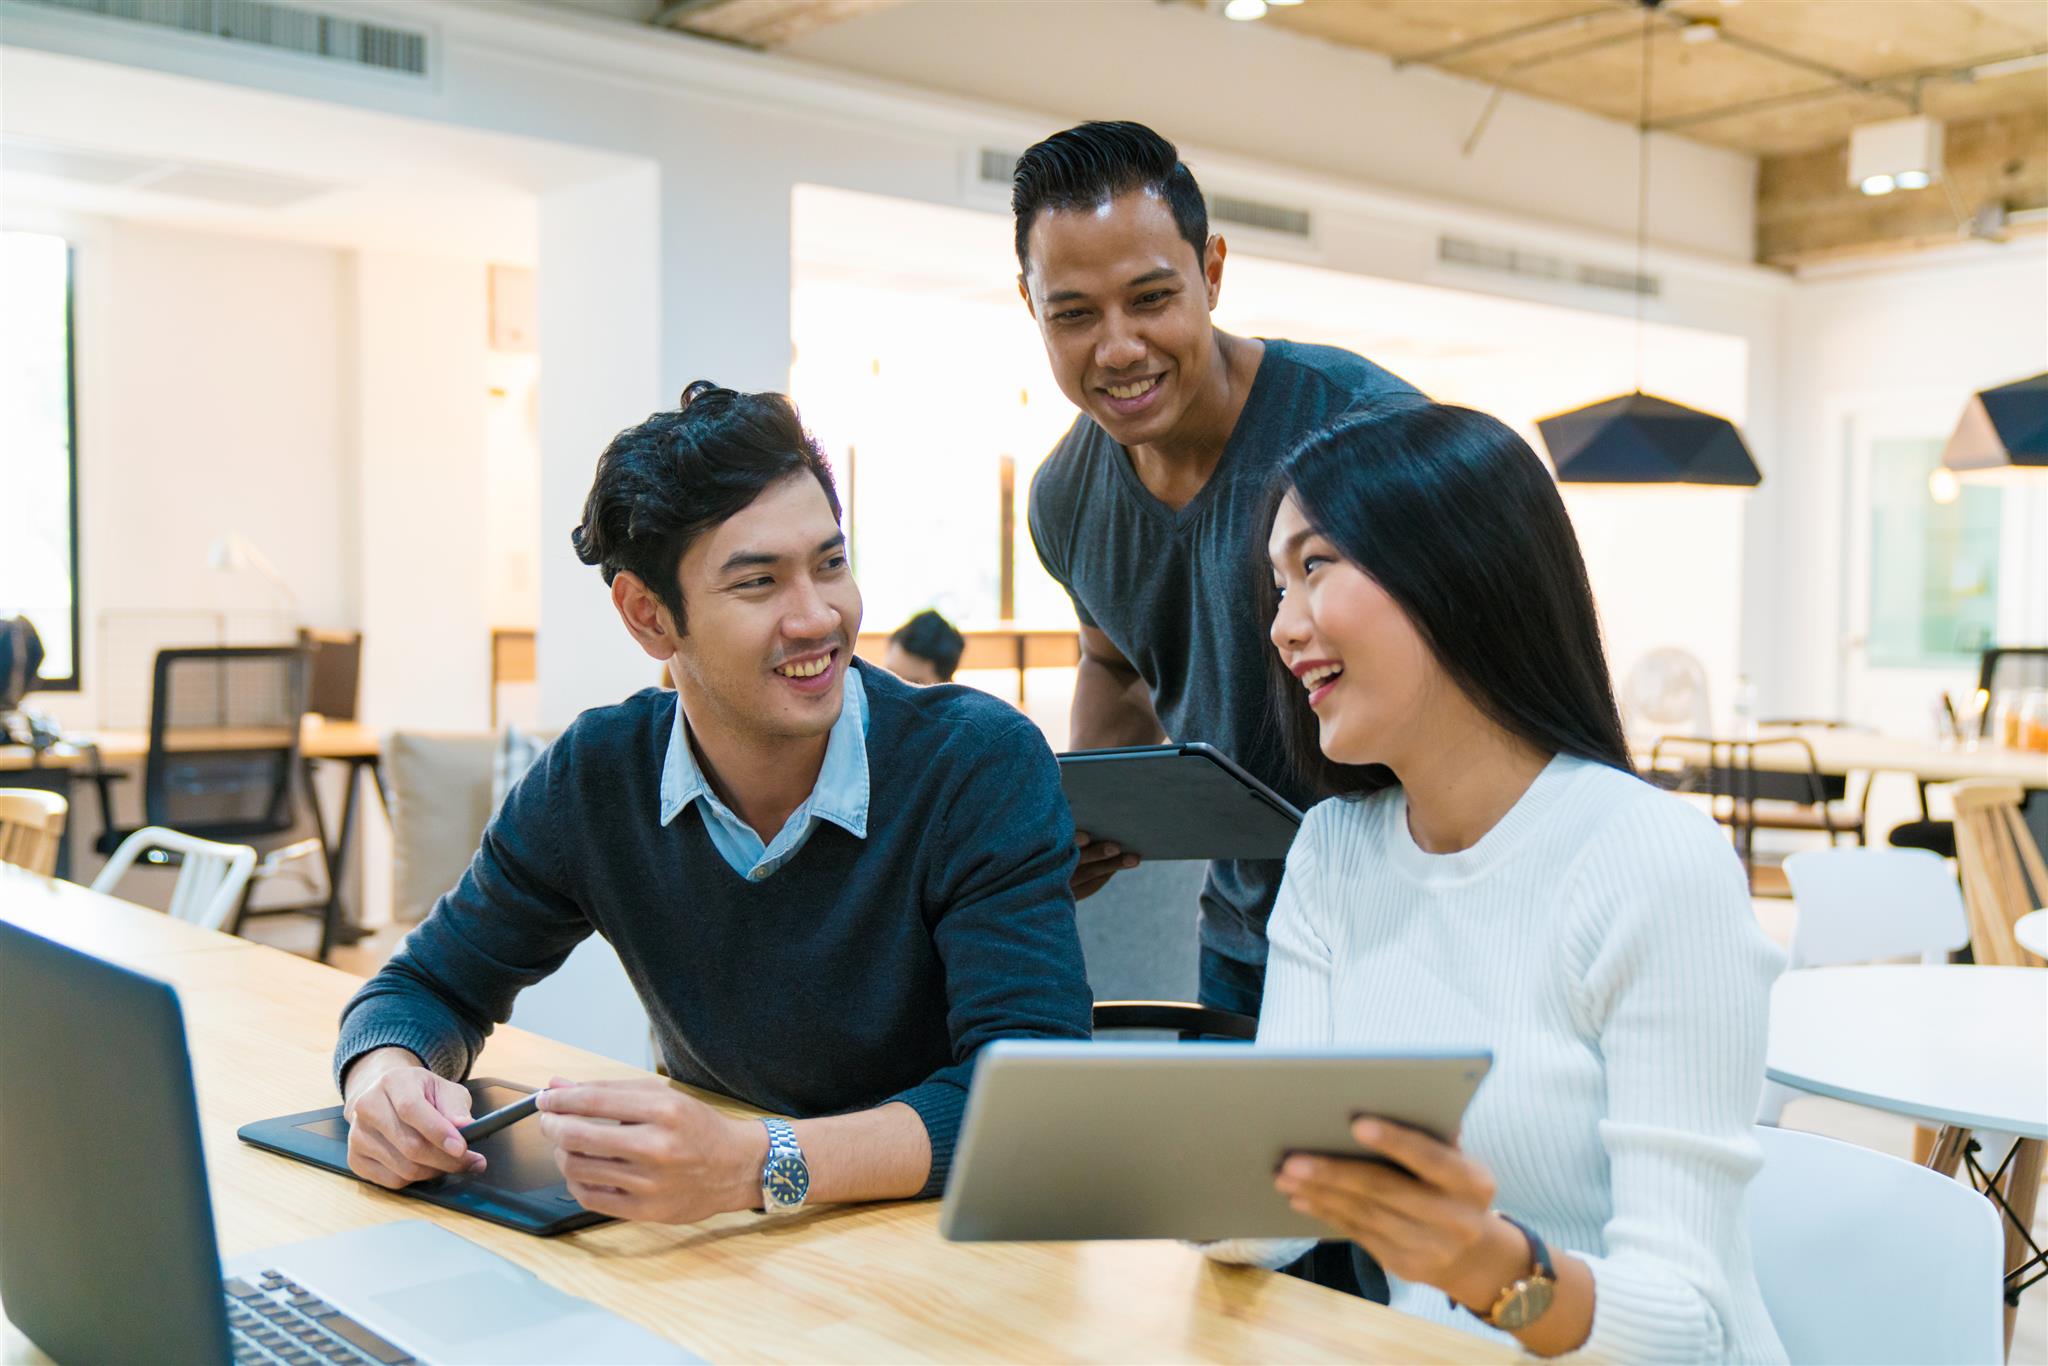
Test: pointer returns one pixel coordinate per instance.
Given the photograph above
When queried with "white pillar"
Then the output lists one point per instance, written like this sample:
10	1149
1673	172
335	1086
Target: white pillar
600	286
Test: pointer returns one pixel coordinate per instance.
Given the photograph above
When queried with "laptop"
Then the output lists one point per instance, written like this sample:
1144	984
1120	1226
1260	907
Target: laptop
107	1248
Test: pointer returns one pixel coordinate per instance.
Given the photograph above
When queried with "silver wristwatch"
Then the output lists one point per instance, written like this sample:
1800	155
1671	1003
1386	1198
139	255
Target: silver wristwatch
785	1179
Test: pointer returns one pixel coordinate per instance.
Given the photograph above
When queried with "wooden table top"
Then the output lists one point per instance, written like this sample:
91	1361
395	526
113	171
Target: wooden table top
318	739
867	1283
1839	752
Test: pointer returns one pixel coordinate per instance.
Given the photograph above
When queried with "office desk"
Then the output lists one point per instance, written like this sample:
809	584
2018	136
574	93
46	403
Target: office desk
858	1283
1838	753
320	740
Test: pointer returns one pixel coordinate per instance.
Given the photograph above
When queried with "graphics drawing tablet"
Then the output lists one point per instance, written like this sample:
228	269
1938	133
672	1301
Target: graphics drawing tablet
520	1187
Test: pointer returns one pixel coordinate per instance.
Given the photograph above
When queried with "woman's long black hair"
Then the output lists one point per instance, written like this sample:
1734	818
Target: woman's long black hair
1451	513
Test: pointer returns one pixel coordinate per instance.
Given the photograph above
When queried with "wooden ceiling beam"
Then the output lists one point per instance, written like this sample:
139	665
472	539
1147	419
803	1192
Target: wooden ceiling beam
1808	212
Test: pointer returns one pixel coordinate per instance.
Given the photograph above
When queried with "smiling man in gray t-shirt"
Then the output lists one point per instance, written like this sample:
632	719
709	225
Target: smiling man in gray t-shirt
1145	511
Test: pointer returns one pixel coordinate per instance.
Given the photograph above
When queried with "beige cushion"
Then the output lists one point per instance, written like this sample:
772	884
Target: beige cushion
440	788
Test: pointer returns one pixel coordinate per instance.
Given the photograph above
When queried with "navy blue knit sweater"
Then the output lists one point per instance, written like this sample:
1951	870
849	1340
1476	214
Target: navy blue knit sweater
862	971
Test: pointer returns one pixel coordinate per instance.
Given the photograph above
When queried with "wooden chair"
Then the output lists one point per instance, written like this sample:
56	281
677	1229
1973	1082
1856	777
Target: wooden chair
31	828
2003	874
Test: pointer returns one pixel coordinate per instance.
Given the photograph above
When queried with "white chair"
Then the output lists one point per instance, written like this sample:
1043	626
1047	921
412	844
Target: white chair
211	876
1862	905
1866	1258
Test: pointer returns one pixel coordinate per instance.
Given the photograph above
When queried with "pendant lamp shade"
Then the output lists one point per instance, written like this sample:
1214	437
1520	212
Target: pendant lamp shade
1637	438
2002	428
1641	439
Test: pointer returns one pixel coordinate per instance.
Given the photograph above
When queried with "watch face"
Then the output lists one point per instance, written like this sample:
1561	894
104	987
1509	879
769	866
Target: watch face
785	1182
1525	1304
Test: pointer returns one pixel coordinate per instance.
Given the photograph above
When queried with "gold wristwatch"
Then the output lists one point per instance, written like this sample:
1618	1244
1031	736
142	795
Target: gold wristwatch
1528	1298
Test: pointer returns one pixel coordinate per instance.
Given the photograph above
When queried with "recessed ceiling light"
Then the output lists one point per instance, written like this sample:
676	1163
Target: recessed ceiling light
1913	180
1245	10
1282	4
1877	184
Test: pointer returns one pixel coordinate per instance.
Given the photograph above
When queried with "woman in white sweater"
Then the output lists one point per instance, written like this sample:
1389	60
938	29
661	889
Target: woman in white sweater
1490	873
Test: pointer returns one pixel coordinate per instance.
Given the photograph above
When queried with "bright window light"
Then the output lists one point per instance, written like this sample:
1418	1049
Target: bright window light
38	555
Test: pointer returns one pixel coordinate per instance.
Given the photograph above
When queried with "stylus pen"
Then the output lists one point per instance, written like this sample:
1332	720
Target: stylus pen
499	1118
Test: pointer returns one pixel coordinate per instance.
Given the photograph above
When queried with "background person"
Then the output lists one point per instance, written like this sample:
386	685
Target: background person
925	650
1493	873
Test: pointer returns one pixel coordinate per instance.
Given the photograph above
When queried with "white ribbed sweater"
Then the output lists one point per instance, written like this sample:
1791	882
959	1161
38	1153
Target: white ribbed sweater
1599	940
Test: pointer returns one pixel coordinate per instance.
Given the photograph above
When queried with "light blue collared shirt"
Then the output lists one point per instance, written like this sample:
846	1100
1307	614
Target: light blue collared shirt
839	796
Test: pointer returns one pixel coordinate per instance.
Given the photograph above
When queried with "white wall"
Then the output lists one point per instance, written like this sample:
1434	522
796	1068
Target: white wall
421	390
1859	346
211	399
1263	94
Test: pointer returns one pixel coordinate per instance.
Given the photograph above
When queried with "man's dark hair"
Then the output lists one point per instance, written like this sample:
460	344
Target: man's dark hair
932	638
1094	163
680	473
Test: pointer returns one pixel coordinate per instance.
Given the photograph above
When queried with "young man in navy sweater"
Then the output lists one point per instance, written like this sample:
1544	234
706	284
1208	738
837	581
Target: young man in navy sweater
873	882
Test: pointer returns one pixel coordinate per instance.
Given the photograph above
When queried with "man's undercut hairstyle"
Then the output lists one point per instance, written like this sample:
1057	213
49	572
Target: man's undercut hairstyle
932	638
1094	163
680	473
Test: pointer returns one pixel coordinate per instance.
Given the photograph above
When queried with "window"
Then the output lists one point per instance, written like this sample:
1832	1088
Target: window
1933	563
39	549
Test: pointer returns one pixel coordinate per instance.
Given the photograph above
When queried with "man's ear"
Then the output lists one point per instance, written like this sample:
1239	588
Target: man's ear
647	619
1024	293
1212	268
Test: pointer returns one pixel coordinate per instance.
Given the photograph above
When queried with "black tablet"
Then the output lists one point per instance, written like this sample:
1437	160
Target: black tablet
1176	802
520	1187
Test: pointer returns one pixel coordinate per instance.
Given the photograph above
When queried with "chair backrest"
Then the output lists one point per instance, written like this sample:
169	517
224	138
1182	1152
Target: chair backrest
1860	905
1726	771
224	740
2003	874
2010	668
211	876
31	828
334	670
1863	1257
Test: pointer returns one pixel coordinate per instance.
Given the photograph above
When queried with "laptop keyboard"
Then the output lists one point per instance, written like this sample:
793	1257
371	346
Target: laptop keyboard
276	1320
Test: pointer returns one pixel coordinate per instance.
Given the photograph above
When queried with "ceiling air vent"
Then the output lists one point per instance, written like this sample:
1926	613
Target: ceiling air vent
1536	265
308	32
1250	213
997	167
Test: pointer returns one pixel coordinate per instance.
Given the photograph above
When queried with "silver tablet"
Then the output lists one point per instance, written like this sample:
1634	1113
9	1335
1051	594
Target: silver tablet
1066	1141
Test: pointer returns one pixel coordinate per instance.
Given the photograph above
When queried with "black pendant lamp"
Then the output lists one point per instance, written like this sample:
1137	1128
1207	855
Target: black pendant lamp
2002	429
1638	438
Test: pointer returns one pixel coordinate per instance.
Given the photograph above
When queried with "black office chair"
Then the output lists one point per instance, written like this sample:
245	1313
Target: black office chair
1746	798
1191	1022
223	762
2002	668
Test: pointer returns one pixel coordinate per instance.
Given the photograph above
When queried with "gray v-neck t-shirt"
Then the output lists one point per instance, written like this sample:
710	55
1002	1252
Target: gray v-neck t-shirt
1173	589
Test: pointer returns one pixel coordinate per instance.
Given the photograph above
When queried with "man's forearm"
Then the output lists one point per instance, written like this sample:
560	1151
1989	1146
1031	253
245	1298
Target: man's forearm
878	1154
1111	708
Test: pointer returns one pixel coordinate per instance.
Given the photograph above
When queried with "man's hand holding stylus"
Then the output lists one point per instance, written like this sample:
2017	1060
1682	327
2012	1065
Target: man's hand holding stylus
404	1122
